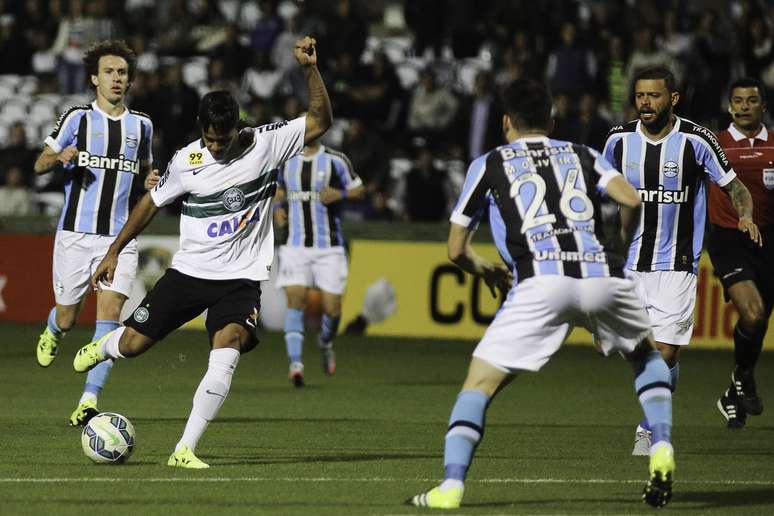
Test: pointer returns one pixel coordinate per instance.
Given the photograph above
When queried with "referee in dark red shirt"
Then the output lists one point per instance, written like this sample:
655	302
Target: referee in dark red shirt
745	268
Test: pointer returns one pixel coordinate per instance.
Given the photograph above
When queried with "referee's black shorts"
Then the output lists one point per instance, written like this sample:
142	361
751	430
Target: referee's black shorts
736	258
177	298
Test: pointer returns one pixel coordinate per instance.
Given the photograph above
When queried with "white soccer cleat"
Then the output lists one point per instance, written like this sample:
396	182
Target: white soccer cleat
642	442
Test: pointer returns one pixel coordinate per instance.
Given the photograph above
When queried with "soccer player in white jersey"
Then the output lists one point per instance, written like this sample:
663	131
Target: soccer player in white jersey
669	160
567	272
227	180
105	148
312	187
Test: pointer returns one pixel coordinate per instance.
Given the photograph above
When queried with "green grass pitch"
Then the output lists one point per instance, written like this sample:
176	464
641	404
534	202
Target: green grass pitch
363	441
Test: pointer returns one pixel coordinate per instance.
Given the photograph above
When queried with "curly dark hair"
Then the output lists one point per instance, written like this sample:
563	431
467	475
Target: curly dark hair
111	47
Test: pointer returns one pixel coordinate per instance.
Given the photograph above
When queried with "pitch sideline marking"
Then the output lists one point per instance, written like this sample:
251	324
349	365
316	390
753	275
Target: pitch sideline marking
62	480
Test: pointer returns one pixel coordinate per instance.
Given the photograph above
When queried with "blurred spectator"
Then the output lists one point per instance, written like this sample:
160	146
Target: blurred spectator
146	95
368	156
235	56
147	61
592	127
282	52
464	21
645	54
378	96
613	82
481	113
675	42
509	70
291	108
759	48
425	190
342	78
710	72
432	108
44	61
259	113
15	51
180	104
261	79
17	153
571	68
267	28
425	19
15	197
346	32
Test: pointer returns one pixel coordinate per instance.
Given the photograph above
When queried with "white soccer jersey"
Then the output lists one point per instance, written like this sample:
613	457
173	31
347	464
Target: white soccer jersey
225	223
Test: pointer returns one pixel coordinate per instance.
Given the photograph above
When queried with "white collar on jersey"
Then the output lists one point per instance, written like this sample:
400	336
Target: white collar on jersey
737	135
119	117
675	128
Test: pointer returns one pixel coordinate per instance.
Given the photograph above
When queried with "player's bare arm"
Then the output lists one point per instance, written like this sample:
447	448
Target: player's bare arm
140	216
461	252
330	195
279	211
627	198
743	204
319	114
49	158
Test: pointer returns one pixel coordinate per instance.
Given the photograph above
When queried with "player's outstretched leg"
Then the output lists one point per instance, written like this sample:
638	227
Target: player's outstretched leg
208	399
294	343
466	426
328	328
95	381
653	384
48	343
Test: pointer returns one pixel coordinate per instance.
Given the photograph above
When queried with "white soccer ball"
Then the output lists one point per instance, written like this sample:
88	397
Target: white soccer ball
108	438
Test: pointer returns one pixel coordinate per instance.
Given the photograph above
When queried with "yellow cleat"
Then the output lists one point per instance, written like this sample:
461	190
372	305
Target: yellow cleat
48	345
83	413
89	355
658	490
437	499
185	458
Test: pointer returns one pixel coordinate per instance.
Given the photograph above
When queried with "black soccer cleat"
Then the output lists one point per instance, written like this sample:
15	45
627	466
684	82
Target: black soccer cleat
658	490
729	406
746	392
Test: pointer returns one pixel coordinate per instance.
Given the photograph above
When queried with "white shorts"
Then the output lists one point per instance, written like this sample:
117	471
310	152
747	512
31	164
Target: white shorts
325	269
669	297
540	313
76	255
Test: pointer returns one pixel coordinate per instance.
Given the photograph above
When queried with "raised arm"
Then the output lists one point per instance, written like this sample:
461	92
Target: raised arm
743	204
319	115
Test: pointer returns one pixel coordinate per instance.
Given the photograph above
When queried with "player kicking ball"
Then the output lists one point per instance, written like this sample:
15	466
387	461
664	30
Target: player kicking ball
228	178
568	273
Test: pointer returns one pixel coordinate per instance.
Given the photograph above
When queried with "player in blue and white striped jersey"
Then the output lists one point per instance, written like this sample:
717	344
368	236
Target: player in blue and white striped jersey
567	272
668	160
313	185
105	150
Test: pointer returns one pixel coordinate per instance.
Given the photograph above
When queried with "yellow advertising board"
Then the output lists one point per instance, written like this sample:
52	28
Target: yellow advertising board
436	299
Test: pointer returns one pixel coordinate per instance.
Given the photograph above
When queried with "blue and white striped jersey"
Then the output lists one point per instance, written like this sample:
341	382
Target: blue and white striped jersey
310	222
670	176
100	181
547	196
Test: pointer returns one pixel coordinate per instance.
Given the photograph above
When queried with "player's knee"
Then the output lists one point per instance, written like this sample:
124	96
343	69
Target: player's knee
133	343
752	315
65	320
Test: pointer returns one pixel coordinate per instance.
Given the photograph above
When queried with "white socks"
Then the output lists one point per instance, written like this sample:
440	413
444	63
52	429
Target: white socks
210	395
109	346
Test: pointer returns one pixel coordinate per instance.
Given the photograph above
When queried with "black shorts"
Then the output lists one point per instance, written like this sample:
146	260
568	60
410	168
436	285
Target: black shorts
736	258
177	298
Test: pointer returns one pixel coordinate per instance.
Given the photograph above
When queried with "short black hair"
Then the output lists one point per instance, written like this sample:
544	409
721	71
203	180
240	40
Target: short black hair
110	47
748	82
656	73
218	110
528	103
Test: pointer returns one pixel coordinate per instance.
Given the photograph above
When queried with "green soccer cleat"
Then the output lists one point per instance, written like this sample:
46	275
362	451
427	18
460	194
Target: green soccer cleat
437	499
48	345
89	355
83	413
185	458
658	490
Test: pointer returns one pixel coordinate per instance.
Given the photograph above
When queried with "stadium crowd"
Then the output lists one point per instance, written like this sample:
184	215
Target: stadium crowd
413	83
